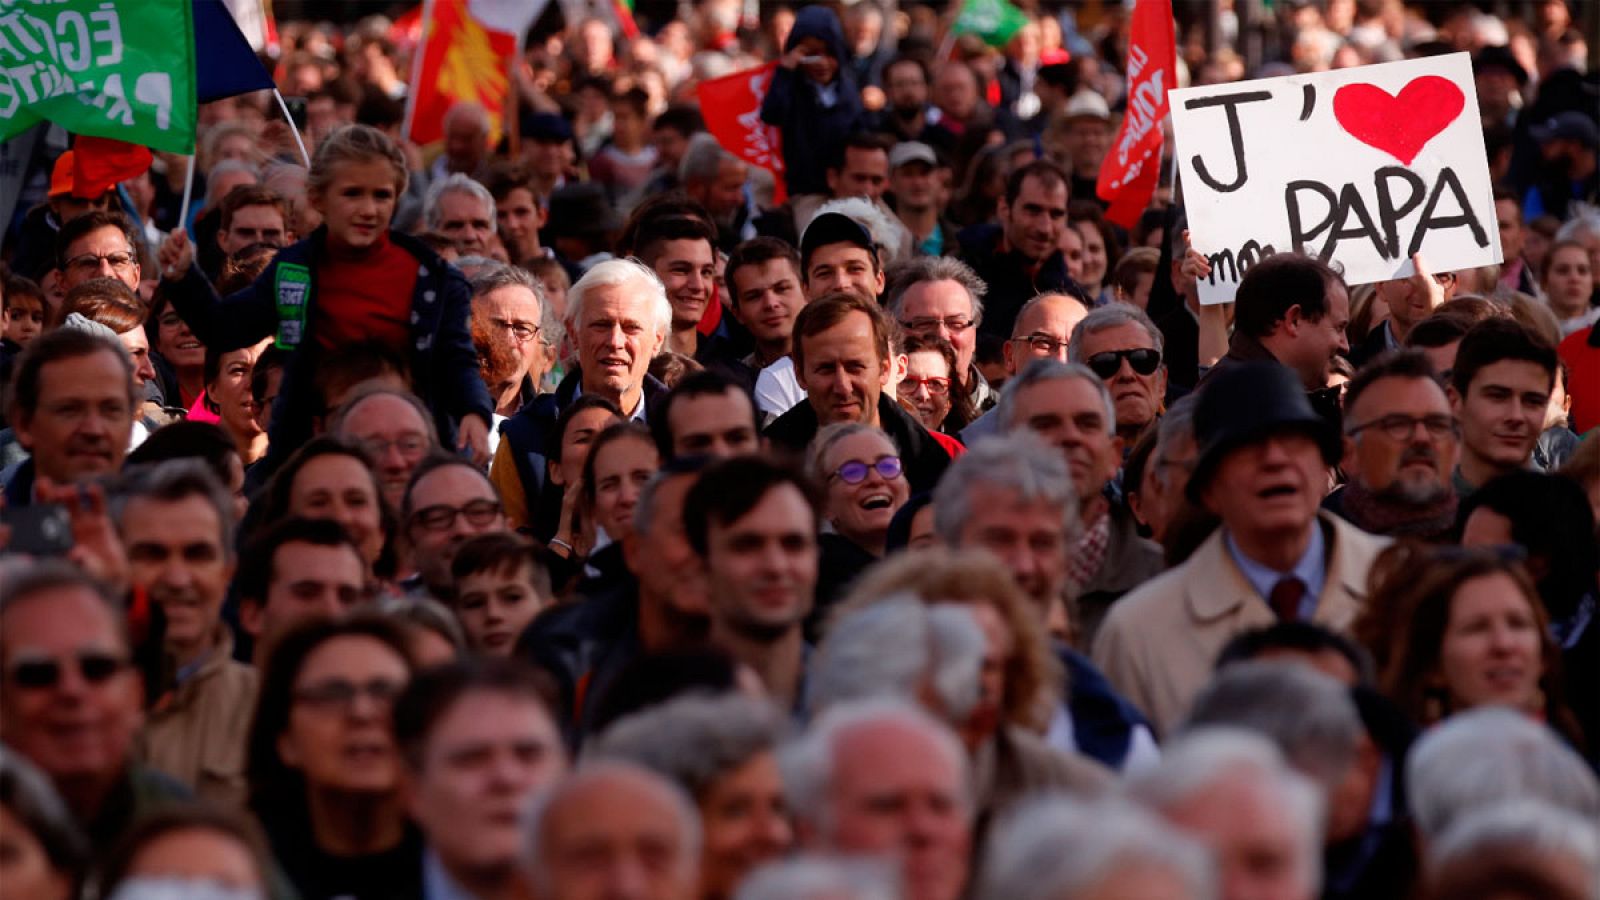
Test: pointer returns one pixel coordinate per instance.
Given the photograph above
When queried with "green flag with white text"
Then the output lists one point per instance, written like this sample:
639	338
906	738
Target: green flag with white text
996	21
121	69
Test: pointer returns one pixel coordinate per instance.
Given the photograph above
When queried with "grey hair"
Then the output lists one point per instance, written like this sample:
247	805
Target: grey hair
822	878
1585	223
887	232
1307	715
456	183
29	797
1201	758
1111	315
1176	425
1035	302
1055	846
1524	826
926	269
1043	370
829	435
644	513
702	158
895	646
694	739
224	166
1485	757
370	389
169	482
536	815
279	170
616	273
424	612
22	580
1020	462
499	275
808	762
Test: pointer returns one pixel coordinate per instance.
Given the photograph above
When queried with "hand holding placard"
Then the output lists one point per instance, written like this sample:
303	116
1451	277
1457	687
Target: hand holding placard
1361	167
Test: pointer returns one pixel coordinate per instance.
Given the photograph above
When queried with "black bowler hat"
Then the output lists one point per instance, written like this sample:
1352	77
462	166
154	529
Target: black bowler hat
1247	402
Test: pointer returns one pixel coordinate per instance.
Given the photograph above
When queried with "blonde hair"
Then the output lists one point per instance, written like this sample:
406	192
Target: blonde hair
355	144
1033	675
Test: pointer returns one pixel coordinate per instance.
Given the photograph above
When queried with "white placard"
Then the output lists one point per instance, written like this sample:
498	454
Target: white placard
1361	167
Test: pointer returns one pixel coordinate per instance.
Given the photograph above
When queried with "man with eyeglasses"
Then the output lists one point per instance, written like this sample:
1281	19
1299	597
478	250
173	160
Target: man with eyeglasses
941	297
1400	447
394	427
447	502
176	524
99	244
1121	345
1043	330
71	701
508	299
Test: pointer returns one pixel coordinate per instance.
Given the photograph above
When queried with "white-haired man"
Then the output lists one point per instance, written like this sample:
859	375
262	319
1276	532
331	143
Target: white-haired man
613	829
617	315
882	778
1232	791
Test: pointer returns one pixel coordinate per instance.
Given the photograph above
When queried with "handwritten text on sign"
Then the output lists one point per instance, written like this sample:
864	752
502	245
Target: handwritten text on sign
1361	167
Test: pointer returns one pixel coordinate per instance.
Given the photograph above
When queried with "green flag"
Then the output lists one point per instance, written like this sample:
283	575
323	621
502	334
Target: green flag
996	21
121	69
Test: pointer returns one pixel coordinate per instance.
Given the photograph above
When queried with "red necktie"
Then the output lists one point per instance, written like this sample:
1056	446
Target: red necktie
1285	598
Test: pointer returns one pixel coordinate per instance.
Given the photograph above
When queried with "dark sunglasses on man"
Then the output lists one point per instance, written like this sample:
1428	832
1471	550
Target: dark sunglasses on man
39	673
1144	361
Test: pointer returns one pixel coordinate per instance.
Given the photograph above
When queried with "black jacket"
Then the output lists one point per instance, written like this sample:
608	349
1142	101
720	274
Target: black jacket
1007	273
920	455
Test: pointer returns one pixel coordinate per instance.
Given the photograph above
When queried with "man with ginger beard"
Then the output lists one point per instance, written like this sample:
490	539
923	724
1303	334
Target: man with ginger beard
1400	448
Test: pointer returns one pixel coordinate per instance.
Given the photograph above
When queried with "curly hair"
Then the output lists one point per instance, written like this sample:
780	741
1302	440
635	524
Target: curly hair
1033	674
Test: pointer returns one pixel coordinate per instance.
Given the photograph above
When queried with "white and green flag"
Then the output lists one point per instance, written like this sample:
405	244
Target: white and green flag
121	69
996	21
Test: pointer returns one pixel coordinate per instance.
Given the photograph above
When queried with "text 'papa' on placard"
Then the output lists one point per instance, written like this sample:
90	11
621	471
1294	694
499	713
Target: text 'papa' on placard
1360	167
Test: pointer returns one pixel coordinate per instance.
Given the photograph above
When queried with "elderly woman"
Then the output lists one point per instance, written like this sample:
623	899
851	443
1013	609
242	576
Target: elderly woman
929	390
1453	629
721	750
864	485
42	854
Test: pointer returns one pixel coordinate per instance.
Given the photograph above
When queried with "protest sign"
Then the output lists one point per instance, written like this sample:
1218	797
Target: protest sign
732	109
1360	167
122	70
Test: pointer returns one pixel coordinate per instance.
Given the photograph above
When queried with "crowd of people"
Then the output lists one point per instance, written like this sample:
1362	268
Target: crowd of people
567	517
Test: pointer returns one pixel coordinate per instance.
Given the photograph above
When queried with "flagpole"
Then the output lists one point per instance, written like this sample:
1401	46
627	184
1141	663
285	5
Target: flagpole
293	128
188	191
416	68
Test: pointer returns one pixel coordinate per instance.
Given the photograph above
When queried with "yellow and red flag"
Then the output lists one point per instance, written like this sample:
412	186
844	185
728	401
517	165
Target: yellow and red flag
467	51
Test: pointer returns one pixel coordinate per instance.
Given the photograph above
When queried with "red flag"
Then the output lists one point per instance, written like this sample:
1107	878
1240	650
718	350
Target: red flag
1129	174
731	106
466	54
100	163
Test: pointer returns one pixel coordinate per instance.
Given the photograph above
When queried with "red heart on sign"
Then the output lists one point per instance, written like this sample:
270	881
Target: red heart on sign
1399	126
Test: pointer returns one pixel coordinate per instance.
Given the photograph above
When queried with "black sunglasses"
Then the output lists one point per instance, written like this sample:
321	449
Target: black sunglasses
96	667
1144	361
